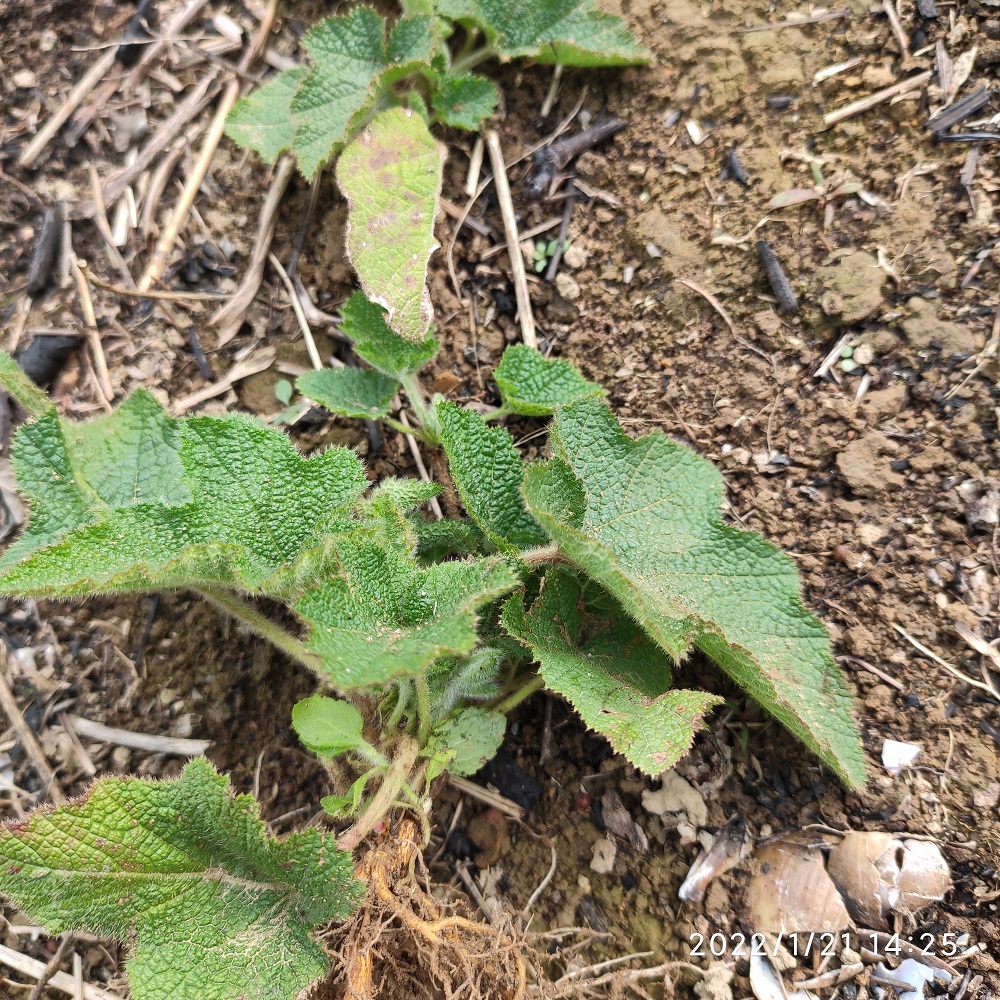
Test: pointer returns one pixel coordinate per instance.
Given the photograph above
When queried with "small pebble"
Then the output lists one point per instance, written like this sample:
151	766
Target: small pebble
575	258
848	365
847	351
24	79
864	354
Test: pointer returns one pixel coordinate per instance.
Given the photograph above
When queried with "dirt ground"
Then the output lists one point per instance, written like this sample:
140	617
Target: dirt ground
879	477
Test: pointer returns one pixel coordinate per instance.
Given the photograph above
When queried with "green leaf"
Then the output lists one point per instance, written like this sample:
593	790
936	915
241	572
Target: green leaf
534	386
327	726
391	177
412	43
463	101
343	806
570	32
184	873
612	673
106	499
642	519
71	474
453	681
32	400
348	54
463	743
385	617
263	120
488	472
437	540
379	345
353	392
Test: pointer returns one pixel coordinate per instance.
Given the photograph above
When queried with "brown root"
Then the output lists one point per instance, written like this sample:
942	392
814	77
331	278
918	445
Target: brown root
404	943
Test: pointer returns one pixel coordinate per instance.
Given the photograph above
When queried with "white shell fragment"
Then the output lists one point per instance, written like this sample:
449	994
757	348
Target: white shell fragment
896	755
730	846
878	874
791	892
604	852
914	974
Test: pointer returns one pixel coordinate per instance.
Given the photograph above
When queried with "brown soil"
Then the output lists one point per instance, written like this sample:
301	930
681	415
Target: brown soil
887	503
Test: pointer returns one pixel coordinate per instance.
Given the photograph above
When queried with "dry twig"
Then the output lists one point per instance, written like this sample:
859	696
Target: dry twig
138	741
61	981
518	273
866	103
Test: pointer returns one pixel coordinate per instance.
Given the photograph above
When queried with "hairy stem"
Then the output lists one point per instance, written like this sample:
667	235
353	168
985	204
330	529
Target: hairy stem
263	626
382	801
416	396
469	61
540	556
423	709
526	690
396	425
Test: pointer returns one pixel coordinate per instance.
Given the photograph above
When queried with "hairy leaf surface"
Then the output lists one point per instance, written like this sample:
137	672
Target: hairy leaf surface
348	55
327	726
464	100
185	873
612	673
535	386
642	518
375	342
488	472
463	743
353	392
391	177
137	500
32	400
263	120
384	616
570	32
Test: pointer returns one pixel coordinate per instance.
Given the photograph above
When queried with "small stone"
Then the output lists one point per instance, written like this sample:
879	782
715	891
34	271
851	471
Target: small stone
864	354
636	169
575	257
567	286
604	853
848	365
987	798
24	79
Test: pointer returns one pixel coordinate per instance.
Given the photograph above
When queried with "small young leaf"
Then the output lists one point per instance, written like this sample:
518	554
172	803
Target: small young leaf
328	726
534	386
353	392
412	43
283	391
612	673
385	617
465	742
438	540
645	524
379	345
570	32
183	872
454	681
488	473
391	177
262	120
348	55
463	101
32	400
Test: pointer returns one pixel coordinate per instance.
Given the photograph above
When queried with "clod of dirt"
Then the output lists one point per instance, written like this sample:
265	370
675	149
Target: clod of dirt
851	289
488	831
792	892
677	255
982	498
878	875
864	463
924	328
603	860
676	797
715	984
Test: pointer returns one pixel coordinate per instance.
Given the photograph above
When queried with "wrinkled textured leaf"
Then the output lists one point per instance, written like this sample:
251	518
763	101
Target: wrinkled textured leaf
463	101
488	472
412	43
612	673
353	392
263	120
391	177
384	616
534	386
255	504
374	341
642	518
327	726
348	54
71	474
465	742
550	31
185	873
